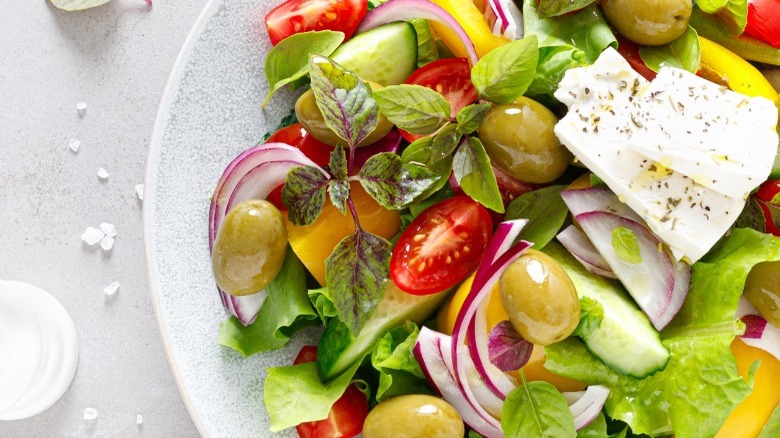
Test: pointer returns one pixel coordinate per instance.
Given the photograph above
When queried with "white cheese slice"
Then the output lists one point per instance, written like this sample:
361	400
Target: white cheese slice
722	139
687	216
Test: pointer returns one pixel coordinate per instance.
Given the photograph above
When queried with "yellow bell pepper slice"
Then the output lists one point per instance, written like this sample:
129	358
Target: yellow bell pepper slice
724	67
473	22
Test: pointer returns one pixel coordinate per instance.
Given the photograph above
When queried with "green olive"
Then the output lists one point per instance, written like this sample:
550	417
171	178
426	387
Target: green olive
762	289
540	298
519	138
250	247
414	416
650	22
309	115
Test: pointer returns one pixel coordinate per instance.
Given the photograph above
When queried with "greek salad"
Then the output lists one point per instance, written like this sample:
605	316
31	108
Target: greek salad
520	218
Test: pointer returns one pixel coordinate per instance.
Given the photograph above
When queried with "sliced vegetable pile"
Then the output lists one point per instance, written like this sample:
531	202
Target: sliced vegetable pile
547	218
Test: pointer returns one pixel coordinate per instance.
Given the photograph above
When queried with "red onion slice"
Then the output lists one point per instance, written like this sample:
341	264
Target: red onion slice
503	238
597	199
486	276
252	175
587	407
651	282
428	352
758	332
578	244
504	18
403	10
477	340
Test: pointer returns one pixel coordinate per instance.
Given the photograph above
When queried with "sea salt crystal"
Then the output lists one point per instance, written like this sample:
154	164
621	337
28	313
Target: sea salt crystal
111	288
92	236
139	191
90	414
108	229
81	106
74	145
102	174
139	420
107	243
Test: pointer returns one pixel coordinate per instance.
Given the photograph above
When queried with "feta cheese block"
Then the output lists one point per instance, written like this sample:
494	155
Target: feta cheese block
689	217
724	140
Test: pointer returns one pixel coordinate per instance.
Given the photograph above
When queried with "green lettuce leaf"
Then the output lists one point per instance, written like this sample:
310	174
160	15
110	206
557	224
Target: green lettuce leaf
772	427
286	310
323	304
295	394
427	51
399	371
586	30
700	386
554	61
732	14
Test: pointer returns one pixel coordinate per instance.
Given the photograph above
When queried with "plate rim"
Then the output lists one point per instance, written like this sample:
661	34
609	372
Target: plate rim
150	180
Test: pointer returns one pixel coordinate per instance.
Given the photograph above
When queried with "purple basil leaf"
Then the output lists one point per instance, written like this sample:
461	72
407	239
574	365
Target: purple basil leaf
390	183
339	186
344	100
304	194
356	272
507	350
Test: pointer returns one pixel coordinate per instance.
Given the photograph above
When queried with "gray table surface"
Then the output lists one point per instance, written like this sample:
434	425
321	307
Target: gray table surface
116	58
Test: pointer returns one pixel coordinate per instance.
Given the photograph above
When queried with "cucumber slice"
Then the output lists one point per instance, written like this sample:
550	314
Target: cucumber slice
625	340
386	55
339	348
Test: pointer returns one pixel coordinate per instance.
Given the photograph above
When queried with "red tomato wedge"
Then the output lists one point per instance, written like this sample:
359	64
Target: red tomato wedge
630	51
452	78
763	21
441	247
295	16
347	415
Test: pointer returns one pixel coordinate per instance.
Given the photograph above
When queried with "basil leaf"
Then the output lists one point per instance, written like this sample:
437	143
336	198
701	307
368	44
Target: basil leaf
427	51
772	426
356	271
732	14
752	216
596	429
413	108
289	60
285	311
444	143
551	8
537	409
587	30
591	315
390	183
625	245
470	117
344	100
553	63
77	5
506	72
304	194
545	210
338	188
417	159
474	173
684	52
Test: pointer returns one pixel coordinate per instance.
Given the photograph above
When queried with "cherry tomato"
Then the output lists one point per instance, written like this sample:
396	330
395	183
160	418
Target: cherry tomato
630	51
763	21
452	78
294	16
768	196
347	415
441	247
295	135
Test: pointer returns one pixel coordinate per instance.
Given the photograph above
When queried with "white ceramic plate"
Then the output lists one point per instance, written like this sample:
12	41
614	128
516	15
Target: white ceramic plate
210	112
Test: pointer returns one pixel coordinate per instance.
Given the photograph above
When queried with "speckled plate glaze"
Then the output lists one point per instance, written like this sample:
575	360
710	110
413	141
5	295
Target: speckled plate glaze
210	112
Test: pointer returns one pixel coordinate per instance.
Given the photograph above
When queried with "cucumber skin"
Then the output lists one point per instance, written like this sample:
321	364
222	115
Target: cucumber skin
339	348
386	55
625	340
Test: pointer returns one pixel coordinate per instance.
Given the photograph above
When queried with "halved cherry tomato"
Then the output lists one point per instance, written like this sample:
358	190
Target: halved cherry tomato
452	78
441	247
295	16
768	196
346	417
630	51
